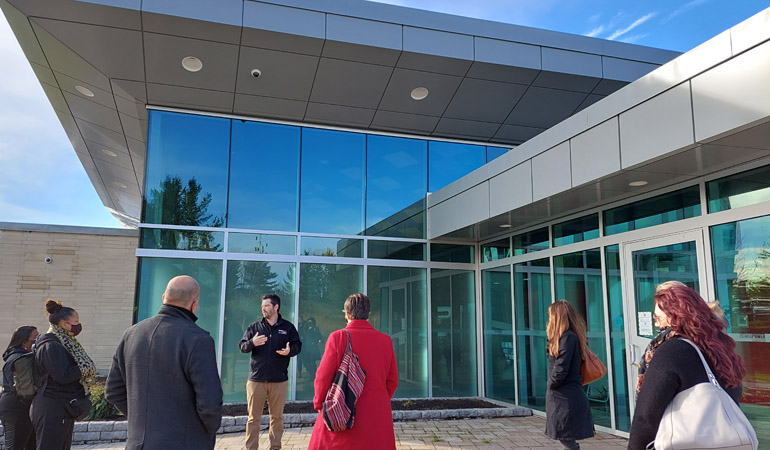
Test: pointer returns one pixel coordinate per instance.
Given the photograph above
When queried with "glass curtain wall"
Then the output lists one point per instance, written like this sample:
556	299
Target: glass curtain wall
532	296
741	259
578	279
498	333
323	289
399	304
453	325
617	338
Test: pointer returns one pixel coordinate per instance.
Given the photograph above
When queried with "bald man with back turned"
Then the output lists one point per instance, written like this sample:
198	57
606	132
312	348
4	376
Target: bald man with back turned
164	376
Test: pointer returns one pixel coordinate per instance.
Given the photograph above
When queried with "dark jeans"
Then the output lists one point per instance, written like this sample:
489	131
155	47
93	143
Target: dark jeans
53	425
14	413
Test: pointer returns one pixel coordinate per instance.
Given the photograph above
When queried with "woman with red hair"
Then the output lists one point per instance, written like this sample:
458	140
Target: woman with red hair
673	366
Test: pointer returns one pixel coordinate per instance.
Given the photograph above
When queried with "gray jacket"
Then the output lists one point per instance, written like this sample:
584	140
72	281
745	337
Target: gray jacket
164	378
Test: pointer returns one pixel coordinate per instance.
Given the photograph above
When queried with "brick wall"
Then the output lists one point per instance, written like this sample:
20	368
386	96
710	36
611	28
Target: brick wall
93	270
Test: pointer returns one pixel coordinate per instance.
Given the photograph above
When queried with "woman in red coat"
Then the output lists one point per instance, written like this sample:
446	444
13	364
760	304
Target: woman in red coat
373	426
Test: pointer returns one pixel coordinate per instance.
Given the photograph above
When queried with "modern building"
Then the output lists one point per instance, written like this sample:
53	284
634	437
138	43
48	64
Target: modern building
463	173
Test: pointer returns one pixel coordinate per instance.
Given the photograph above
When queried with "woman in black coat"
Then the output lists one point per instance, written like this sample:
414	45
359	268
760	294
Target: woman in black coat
64	371
14	404
566	404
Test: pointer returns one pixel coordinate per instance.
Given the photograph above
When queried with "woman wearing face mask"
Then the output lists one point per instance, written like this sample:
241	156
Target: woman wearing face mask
65	373
18	390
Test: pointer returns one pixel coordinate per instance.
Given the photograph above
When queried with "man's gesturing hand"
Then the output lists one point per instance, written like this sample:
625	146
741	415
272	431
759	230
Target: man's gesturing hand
284	351
259	340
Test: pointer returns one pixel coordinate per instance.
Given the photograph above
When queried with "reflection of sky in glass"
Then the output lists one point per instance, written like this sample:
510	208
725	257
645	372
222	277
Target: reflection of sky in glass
189	146
332	198
266	244
264	176
396	171
344	248
495	152
450	162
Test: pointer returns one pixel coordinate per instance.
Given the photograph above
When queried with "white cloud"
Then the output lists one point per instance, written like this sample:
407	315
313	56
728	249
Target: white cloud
595	31
634	38
636	23
684	8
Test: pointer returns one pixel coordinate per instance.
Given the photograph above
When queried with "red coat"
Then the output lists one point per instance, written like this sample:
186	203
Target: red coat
373	426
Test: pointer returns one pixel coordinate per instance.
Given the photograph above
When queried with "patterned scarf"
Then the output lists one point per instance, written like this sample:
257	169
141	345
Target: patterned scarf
664	335
78	353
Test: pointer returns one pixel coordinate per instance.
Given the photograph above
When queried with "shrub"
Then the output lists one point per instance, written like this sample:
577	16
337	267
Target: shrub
100	408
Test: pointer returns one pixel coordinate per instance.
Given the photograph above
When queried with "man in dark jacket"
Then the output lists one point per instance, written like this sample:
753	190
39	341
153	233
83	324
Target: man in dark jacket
271	341
164	376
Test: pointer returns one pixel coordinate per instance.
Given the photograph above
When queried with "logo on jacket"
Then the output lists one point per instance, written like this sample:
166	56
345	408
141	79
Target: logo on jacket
282	332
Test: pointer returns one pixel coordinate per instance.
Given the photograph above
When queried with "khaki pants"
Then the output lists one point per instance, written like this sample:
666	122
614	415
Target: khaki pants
256	393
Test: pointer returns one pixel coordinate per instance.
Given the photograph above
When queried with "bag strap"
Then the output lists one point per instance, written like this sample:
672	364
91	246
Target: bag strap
349	347
710	375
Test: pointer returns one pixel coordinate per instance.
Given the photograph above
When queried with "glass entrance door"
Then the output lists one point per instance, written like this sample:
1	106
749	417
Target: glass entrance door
646	264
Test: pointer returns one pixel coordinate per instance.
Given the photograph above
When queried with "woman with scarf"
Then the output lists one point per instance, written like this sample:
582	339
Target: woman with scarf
18	390
670	365
65	373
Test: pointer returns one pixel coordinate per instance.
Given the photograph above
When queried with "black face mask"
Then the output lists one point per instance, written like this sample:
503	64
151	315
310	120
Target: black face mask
76	329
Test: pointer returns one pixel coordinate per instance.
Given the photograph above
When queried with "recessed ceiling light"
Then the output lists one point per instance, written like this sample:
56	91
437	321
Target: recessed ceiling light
419	93
119	184
192	64
84	90
505	225
109	152
637	183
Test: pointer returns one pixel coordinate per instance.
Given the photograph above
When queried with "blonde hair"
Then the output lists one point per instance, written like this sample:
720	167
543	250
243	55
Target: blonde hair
668	284
562	317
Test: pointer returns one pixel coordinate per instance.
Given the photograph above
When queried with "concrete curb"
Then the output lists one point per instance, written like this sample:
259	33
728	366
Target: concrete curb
115	431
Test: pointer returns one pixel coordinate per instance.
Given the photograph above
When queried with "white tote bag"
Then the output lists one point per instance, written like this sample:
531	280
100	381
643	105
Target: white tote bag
704	417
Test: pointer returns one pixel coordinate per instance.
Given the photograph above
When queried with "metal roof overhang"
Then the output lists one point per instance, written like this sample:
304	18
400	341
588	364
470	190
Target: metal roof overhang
345	63
703	112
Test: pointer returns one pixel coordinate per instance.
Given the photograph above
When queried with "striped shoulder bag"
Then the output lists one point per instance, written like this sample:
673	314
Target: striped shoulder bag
339	408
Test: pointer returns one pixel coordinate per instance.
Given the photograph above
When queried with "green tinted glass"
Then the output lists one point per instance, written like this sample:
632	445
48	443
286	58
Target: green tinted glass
343	248
743	189
496	250
576	230
533	241
498	333
202	241
410	251
665	208
617	338
452	253
266	244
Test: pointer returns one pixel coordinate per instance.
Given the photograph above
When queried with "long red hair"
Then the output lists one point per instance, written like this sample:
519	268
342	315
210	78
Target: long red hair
691	317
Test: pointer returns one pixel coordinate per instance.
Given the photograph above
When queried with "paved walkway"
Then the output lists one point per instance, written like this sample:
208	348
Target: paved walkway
522	433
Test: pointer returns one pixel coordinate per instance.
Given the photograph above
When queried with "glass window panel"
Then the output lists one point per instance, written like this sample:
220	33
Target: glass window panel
498	333
665	208
154	275
452	253
496	250
741	258
332	199
532	295
187	164
400	309
343	248
323	289
531	242
264	176
576	230
202	241
578	279
396	184
617	338
409	251
743	189
495	152
449	162
247	282
265	244
453	326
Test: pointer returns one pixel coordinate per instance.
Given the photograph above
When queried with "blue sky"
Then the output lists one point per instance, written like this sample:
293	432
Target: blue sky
42	181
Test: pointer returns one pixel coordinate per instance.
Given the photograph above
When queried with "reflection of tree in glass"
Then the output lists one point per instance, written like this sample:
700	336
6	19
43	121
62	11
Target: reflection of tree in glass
174	203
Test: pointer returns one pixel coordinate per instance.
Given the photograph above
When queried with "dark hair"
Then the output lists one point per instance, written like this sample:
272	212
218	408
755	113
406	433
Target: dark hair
56	312
274	299
357	306
20	337
691	317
